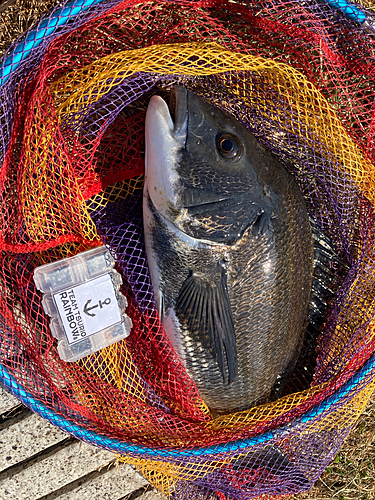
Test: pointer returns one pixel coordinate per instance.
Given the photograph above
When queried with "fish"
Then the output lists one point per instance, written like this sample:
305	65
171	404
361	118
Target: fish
230	250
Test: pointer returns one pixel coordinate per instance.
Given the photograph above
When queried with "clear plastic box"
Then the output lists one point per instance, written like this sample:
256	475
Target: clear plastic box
82	296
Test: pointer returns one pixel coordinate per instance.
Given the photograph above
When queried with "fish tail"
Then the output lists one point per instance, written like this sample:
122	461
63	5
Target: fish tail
329	270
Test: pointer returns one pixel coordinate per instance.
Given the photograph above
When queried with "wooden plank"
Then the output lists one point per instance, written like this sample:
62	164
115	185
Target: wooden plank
40	462
153	495
27	438
7	401
118	482
67	465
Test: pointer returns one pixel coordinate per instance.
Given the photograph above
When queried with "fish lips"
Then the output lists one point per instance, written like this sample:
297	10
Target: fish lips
165	140
178	108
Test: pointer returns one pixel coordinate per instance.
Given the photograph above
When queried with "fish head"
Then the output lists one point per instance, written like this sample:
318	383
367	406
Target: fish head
202	165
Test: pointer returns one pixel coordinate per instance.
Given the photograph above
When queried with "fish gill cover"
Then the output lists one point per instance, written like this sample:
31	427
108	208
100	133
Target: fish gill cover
299	76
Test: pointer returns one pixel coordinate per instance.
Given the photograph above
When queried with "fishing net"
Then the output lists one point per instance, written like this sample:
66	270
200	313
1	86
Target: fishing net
300	76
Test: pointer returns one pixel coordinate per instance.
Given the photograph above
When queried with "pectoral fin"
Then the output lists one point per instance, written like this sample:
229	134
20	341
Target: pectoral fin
203	306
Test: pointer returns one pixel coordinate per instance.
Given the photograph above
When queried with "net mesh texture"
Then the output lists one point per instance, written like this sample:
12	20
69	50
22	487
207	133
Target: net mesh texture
300	77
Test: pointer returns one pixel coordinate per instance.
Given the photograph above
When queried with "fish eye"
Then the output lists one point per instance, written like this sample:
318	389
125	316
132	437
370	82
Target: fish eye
229	146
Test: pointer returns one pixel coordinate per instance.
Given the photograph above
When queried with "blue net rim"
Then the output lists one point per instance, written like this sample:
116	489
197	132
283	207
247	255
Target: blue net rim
8	65
34	37
124	448
61	16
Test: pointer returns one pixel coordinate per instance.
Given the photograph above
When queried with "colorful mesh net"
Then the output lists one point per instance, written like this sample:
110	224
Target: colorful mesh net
300	76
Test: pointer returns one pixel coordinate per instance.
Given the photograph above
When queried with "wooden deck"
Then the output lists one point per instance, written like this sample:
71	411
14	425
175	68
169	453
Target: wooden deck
40	462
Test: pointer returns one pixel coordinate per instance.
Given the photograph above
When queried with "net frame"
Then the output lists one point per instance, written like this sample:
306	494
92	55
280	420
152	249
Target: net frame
14	386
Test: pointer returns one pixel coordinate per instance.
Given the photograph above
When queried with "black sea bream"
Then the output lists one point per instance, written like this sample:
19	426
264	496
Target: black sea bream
230	251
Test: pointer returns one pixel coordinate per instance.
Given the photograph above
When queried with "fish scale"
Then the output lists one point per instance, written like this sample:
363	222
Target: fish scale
230	251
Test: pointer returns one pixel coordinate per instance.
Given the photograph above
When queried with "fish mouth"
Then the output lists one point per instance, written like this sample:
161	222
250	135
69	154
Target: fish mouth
165	139
178	109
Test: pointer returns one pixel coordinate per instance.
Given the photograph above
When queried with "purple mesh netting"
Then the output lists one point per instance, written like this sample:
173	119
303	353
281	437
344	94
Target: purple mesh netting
298	453
30	64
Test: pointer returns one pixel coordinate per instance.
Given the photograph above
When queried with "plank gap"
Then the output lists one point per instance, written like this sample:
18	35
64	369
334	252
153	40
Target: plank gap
67	488
38	457
13	416
137	493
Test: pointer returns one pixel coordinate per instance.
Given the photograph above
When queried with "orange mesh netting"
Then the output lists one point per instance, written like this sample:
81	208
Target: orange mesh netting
300	76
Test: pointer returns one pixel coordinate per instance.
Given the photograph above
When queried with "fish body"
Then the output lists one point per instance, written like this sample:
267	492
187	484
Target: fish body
230	251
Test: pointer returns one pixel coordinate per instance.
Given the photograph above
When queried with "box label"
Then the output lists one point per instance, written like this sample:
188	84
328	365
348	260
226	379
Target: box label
88	308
